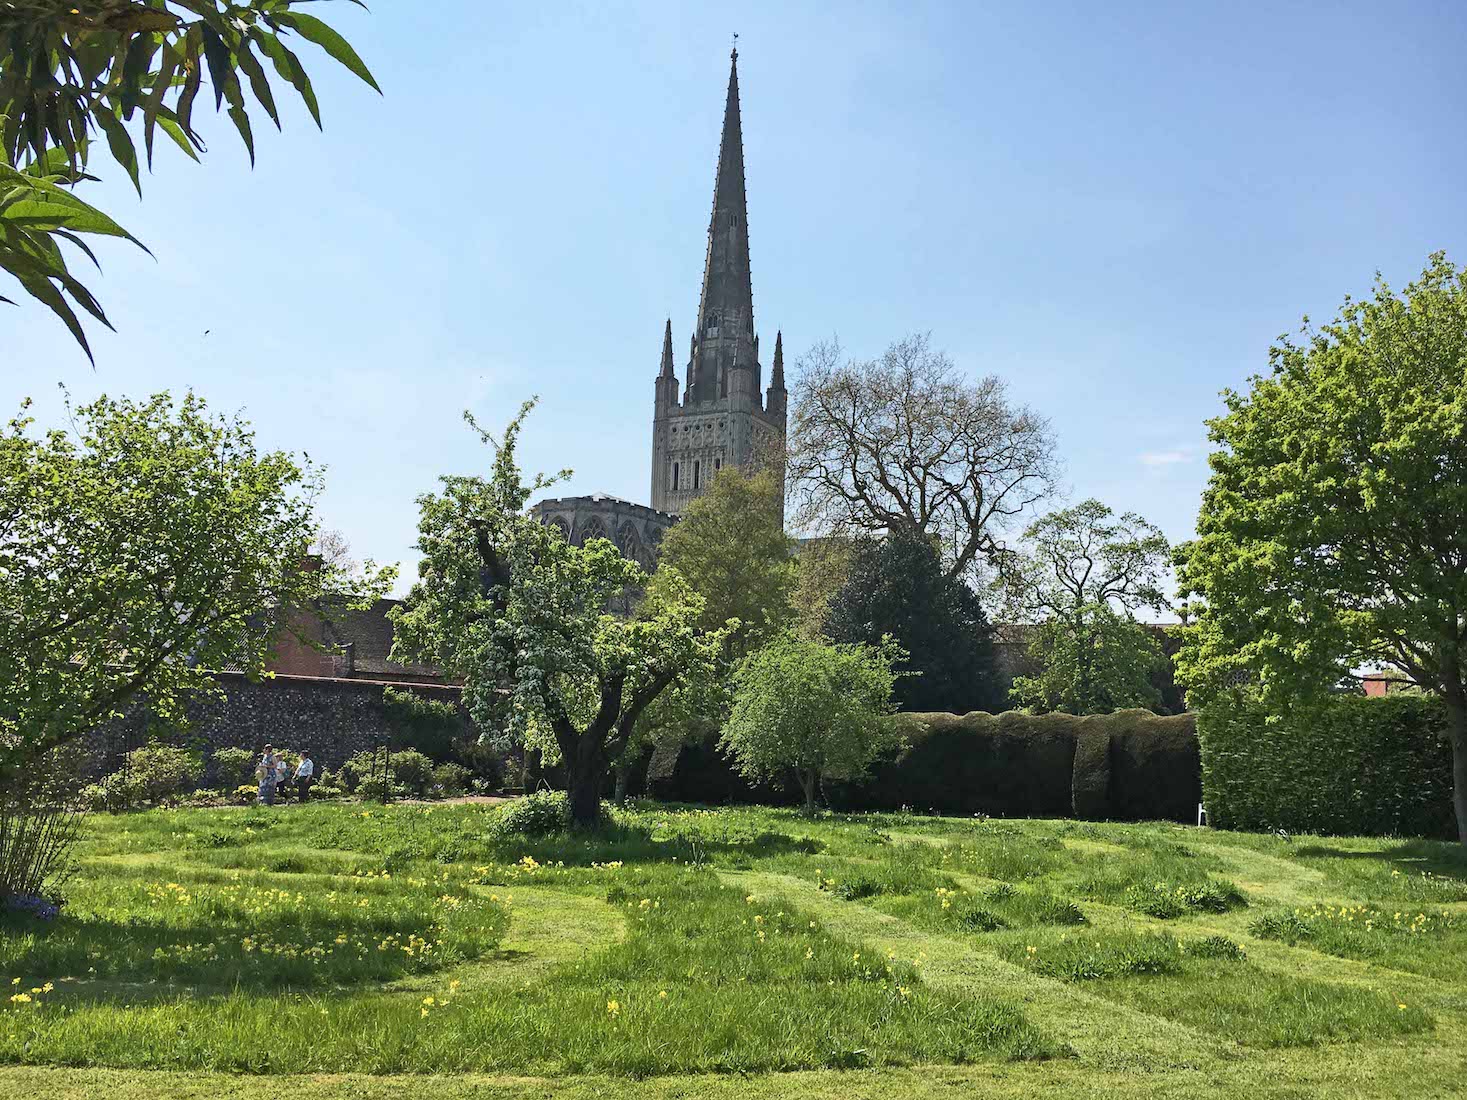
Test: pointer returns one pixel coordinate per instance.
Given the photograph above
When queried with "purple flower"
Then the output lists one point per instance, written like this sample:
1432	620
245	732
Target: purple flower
33	905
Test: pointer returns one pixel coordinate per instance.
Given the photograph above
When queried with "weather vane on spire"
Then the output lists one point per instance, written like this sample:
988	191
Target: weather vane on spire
736	44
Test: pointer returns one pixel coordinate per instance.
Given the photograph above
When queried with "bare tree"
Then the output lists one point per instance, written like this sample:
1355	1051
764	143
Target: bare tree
334	549
905	442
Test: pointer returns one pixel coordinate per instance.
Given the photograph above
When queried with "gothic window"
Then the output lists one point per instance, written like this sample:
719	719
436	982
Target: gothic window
592	529
696	465
717	465
561	526
674	477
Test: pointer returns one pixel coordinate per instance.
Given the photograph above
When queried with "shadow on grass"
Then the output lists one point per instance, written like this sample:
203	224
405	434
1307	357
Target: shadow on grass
1437	856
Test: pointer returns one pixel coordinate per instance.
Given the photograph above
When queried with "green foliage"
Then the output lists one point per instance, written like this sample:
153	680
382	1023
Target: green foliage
151	775
1215	947
506	605
1166	901
1351	765
730	548
896	586
1331	534
451	780
409	772
72	74
1087	959
1091	661
150	545
1130	765
811	707
540	814
429	725
233	767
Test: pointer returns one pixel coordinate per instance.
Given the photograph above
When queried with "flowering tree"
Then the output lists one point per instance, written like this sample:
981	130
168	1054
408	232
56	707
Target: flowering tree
504	603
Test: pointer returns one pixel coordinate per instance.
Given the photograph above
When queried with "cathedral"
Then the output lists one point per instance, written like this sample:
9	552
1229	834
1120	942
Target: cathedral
721	412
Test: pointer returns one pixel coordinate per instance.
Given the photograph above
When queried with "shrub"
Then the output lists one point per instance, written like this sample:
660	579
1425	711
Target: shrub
1357	766
538	814
246	793
410	771
451	780
1080	960
233	767
429	726
1165	901
154	773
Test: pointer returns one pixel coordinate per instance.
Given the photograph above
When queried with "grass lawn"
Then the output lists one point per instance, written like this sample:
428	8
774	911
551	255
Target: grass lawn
337	950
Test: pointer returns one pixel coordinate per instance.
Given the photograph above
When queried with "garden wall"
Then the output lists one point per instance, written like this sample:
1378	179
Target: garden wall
1352	765
332	719
1132	765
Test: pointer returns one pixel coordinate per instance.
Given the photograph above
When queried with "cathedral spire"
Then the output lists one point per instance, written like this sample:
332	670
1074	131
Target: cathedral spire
776	381
725	332
667	371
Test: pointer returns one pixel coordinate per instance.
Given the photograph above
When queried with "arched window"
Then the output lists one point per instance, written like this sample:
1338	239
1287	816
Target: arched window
717	465
674	477
696	466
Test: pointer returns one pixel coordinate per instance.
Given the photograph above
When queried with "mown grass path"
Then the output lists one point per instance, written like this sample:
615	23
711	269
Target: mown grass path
1058	959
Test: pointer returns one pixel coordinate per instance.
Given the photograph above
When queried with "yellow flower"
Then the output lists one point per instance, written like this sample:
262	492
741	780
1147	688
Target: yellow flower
613	1008
662	994
1401	1006
21	998
749	899
422	1012
427	1000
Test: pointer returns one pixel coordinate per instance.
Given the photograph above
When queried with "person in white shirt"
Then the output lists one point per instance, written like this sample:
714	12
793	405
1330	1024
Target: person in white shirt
305	775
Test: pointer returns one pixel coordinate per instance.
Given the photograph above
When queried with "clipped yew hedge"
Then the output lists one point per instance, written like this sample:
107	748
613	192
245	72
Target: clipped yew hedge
1352	765
1131	765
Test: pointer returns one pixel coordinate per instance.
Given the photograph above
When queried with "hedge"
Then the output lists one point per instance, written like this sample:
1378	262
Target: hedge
1131	765
1352	765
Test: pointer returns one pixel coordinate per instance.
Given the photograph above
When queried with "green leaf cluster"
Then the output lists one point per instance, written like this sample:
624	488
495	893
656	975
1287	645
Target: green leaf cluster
1093	660
149	546
1333	532
76	71
812	707
1349	765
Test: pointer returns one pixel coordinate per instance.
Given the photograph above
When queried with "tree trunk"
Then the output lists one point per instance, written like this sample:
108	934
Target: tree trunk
1457	723
807	784
585	776
622	775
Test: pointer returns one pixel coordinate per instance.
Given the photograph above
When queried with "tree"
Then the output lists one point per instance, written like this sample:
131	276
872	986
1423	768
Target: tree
811	707
153	544
1090	661
72	71
896	587
505	604
730	548
333	548
902	442
1082	576
1333	531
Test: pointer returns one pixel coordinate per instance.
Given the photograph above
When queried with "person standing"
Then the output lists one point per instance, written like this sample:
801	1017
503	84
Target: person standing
267	772
282	777
305	774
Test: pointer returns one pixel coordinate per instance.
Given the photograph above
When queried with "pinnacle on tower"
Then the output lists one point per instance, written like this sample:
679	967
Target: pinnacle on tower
776	381
667	371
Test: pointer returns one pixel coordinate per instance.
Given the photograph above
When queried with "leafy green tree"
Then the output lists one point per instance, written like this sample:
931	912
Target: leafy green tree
75	71
1092	660
897	587
1082	576
505	604
1333	532
812	708
730	548
149	546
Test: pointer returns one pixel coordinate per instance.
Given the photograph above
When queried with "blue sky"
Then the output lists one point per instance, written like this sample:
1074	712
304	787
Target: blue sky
1114	207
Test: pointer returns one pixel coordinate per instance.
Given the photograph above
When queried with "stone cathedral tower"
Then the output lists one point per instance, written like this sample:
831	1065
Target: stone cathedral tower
723	415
